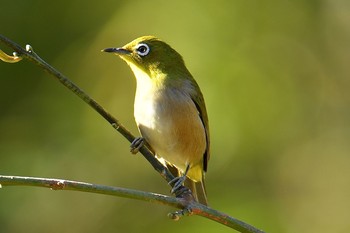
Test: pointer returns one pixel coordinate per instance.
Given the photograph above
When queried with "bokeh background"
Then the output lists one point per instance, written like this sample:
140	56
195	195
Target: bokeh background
275	75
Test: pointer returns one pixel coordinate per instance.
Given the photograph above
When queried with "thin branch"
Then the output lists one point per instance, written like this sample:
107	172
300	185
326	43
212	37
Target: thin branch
185	203
60	184
187	206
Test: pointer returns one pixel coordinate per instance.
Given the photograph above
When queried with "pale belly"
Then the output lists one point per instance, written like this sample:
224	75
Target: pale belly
173	129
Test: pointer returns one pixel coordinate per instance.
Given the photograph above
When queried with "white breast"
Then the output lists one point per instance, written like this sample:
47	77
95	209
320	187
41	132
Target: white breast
144	105
169	121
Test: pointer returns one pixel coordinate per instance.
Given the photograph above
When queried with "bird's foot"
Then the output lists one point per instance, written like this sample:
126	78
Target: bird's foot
177	184
136	145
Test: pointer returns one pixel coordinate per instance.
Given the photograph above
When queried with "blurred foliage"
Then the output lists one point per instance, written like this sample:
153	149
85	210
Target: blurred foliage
275	75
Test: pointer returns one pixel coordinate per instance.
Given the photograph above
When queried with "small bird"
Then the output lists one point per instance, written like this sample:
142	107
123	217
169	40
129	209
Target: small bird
169	110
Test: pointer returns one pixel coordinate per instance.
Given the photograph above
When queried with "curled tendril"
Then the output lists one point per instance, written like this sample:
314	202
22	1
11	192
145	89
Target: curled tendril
9	59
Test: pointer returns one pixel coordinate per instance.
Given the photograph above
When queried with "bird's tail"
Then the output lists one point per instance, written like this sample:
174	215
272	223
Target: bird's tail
198	190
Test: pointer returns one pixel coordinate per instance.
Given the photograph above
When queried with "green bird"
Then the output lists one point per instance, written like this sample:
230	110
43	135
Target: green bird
169	110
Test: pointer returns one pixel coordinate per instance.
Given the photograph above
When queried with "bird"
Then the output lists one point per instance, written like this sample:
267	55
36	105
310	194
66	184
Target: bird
169	110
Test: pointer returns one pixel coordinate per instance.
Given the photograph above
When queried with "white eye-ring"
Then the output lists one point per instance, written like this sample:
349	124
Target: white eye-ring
142	49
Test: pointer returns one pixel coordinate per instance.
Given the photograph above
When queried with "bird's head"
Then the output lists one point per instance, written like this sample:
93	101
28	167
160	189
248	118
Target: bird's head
152	56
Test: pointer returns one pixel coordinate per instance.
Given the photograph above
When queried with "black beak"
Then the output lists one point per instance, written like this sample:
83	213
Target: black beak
119	51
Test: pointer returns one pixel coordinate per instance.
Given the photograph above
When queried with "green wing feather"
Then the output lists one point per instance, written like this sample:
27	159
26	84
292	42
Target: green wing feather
198	99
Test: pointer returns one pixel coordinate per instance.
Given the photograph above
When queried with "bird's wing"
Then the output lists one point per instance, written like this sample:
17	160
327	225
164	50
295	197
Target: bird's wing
198	100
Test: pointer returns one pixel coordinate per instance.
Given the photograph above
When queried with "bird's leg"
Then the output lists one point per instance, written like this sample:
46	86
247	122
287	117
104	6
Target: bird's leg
136	145
178	181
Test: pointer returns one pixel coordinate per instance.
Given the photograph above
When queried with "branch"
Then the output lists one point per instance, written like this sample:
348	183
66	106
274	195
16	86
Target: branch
188	207
187	204
60	184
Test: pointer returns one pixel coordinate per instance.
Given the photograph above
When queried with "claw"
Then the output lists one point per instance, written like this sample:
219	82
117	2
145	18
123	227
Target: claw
136	145
179	181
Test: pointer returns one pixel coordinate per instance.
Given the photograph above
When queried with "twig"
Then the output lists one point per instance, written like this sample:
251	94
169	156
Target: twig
60	184
187	205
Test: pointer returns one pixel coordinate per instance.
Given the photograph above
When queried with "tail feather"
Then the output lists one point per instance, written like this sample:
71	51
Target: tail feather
198	190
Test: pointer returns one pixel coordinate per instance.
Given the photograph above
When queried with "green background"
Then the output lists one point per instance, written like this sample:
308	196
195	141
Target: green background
275	76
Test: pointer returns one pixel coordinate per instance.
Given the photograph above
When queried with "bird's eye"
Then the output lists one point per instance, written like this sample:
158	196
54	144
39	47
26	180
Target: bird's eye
142	49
